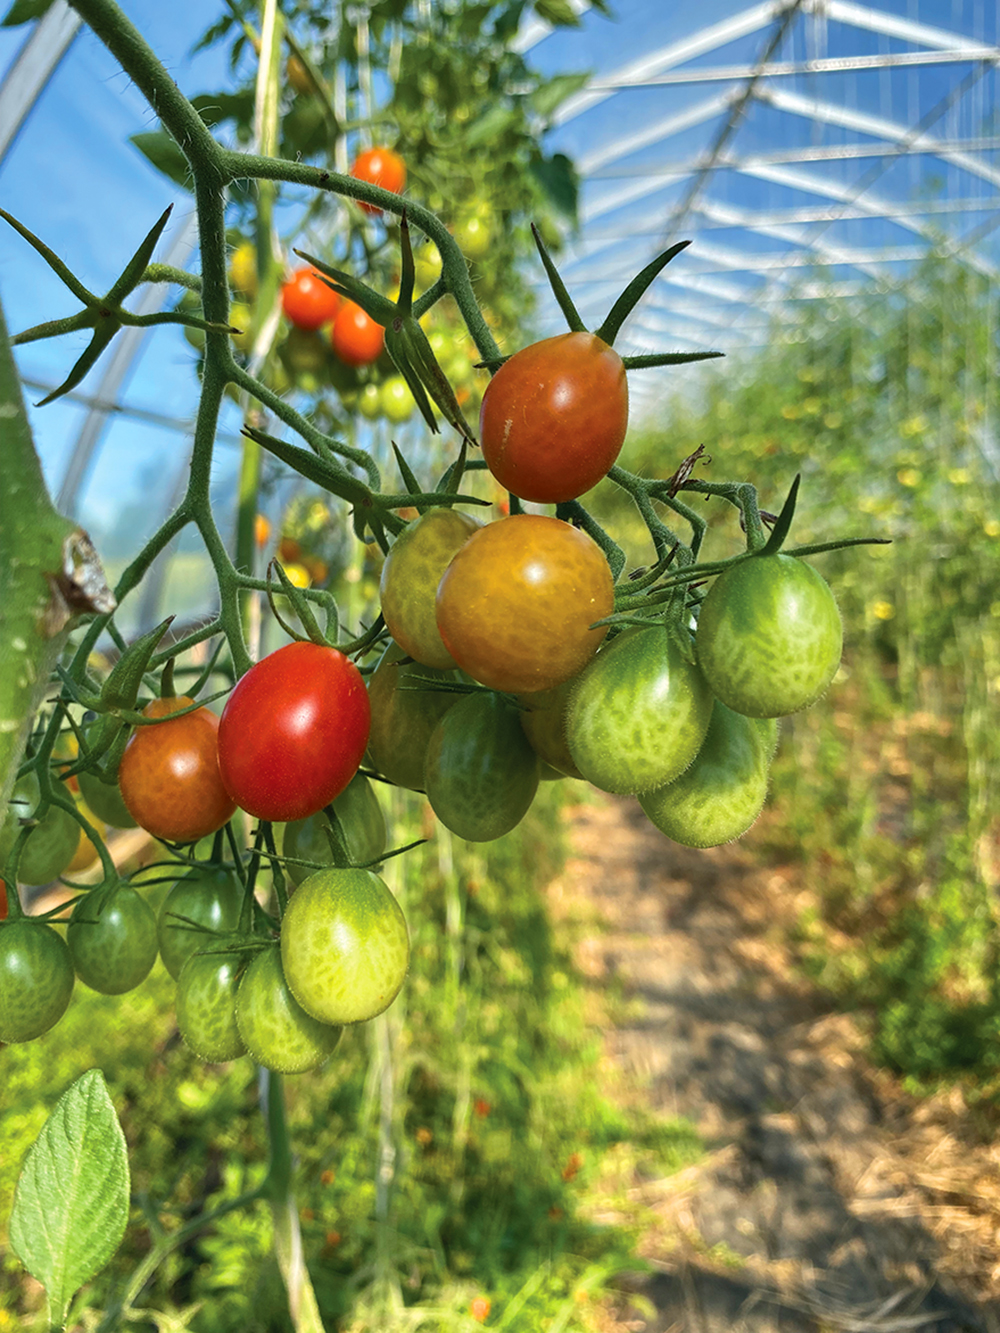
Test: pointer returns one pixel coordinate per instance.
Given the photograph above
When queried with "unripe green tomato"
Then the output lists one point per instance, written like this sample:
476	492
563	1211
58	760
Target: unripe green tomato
345	948
410	576
241	317
361	819
769	636
303	351
481	774
721	794
543	719
212	897
404	718
112	939
50	846
105	800
395	399
206	1005
277	1031
426	266
370	402
474	234
638	713
36	979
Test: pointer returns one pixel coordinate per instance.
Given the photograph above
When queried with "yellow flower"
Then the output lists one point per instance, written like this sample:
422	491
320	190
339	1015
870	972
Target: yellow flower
908	476
883	610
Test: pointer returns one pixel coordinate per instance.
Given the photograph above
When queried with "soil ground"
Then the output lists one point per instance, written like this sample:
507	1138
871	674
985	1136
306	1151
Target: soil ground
830	1199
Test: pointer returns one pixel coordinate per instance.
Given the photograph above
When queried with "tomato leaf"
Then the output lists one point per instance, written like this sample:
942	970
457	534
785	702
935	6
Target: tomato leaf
160	148
72	1196
23	11
557	177
554	92
560	13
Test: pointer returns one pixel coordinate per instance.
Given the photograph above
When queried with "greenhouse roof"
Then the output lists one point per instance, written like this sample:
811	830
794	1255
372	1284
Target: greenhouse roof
804	148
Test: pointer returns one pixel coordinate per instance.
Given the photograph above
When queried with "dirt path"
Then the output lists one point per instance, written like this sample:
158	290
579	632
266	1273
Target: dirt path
830	1200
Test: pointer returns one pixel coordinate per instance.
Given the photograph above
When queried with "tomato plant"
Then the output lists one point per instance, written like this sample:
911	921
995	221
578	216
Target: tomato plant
410	576
516	604
50	846
769	636
308	301
112	939
355	336
169	774
345	947
481	774
380	166
36	979
293	732
721	794
206	1005
553	418
276	1030
638	715
361	819
208	896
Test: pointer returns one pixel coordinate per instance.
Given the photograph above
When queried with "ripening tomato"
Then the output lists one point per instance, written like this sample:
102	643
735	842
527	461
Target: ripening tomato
380	166
404	715
277	1031
36	979
638	715
516	605
543	720
553	418
169	774
293	732
396	402
112	939
345	947
308	301
769	636
355	336
720	796
481	774
410	577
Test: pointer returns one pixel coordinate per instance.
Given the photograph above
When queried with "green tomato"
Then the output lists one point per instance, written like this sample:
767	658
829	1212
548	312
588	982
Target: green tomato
370	402
345	948
412	571
36	979
543	719
304	353
112	939
206	1005
769	636
361	819
50	846
210	896
277	1031
638	713
481	773
105	800
404	717
720	796
474	232
241	317
397	402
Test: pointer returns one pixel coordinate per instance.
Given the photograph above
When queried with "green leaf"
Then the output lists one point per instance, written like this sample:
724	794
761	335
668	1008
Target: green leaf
72	1196
554	92
557	177
490	127
23	11
162	150
560	13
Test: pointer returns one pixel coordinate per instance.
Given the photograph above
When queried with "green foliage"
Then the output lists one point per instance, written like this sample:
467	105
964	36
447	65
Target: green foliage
71	1203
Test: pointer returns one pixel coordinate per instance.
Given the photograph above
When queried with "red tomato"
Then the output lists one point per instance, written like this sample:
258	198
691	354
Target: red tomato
308	301
515	605
355	336
169	774
553	417
380	166
293	732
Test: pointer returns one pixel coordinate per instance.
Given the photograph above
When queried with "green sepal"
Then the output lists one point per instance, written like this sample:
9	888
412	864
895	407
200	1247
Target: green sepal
633	293
412	355
566	305
102	336
405	471
779	532
300	606
121	689
647	360
133	271
324	471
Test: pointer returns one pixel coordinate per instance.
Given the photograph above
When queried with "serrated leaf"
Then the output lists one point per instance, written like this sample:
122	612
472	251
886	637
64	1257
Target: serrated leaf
23	11
72	1196
560	13
554	92
162	150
